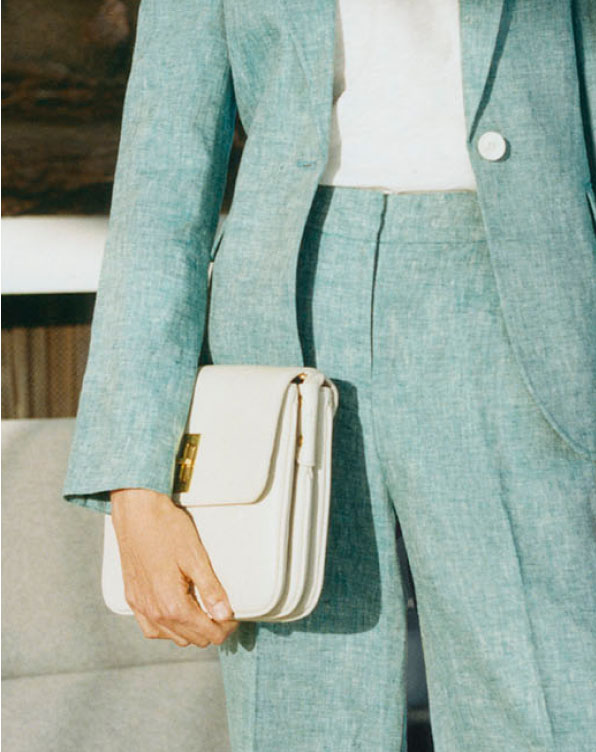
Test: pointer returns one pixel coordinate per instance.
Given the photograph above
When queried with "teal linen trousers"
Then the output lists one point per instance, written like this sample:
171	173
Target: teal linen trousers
438	433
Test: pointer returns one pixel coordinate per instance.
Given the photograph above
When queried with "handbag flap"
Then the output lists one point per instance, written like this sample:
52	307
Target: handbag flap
236	411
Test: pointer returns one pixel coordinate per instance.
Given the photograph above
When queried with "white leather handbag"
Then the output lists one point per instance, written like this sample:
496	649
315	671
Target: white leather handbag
254	472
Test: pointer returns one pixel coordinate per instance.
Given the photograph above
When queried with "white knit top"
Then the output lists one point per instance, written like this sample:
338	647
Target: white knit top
398	115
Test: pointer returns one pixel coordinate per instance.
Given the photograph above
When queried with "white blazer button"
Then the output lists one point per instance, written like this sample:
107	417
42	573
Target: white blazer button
492	146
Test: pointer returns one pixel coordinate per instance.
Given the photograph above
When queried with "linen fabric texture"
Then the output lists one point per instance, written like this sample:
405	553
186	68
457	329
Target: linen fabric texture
528	73
435	431
468	410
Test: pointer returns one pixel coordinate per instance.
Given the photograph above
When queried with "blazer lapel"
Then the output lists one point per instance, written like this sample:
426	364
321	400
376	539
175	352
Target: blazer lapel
311	25
481	22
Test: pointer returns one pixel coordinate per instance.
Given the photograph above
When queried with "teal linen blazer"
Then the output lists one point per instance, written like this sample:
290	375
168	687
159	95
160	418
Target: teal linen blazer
529	72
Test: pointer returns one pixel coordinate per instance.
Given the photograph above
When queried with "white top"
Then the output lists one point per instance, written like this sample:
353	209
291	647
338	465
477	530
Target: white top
398	114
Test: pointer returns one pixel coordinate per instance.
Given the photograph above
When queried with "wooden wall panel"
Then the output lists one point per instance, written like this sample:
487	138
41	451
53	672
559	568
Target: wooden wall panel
42	370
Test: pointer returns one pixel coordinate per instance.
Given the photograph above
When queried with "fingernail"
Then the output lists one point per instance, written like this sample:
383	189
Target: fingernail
220	611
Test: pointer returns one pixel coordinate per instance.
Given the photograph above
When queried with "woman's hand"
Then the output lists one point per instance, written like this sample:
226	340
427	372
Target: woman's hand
162	558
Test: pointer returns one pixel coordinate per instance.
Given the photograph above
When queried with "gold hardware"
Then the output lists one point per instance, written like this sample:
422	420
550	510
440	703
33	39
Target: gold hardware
185	462
300	379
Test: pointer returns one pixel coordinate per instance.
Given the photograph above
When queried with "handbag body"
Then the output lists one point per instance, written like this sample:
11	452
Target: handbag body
254	472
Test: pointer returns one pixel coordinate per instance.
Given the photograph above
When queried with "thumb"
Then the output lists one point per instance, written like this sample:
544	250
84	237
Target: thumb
209	591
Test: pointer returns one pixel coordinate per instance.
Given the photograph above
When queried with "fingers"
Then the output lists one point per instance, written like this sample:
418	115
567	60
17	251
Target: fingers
191	623
164	566
183	622
152	631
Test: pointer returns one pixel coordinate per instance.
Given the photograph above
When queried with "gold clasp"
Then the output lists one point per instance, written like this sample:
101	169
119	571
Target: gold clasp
185	462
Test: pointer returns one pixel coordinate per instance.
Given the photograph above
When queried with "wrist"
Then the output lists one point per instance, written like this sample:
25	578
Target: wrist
138	500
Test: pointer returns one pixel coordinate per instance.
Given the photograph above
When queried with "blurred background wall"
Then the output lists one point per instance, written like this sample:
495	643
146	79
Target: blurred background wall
64	69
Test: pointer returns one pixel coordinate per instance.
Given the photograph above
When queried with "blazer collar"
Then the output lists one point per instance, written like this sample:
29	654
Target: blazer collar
311	25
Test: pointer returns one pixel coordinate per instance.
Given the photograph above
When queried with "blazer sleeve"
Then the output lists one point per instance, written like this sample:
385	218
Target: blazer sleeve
147	331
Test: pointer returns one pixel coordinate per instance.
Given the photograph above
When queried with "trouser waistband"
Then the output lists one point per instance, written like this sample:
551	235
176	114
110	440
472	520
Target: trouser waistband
425	217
